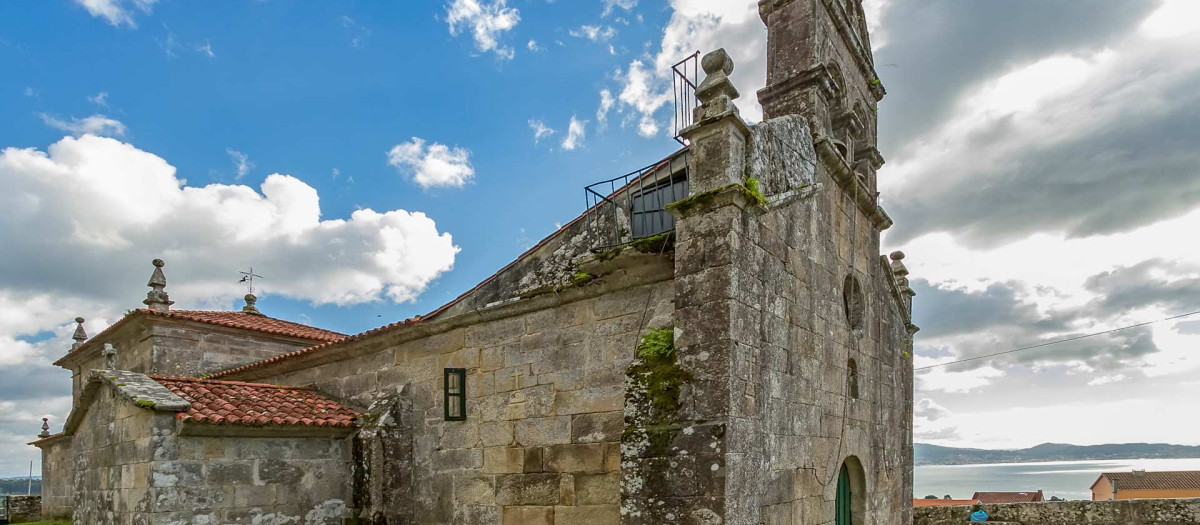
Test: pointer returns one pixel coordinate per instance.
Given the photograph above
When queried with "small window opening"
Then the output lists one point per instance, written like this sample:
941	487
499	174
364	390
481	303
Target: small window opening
852	298
852	377
456	394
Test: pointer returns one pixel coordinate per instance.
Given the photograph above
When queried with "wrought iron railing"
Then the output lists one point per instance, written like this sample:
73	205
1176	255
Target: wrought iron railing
631	207
685	75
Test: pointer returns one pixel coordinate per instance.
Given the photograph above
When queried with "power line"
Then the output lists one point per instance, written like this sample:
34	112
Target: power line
1075	338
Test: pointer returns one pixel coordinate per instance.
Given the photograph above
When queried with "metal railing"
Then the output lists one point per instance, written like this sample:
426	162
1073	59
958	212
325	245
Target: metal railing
684	79
631	207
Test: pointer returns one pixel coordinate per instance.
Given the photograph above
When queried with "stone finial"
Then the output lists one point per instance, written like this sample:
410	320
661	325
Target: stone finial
898	267
80	335
110	356
250	308
157	298
716	86
45	428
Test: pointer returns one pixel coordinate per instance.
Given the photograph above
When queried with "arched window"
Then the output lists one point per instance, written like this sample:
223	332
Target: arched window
852	378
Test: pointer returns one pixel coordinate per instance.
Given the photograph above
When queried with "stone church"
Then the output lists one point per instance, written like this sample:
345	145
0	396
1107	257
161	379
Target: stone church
717	340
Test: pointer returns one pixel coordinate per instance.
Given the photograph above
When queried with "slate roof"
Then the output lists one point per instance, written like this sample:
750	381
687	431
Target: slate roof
255	404
241	320
1008	497
1176	480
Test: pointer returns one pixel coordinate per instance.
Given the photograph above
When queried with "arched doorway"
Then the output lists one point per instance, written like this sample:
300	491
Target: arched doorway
844	511
850	500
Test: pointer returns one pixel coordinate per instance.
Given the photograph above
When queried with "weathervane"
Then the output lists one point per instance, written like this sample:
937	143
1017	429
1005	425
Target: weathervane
248	278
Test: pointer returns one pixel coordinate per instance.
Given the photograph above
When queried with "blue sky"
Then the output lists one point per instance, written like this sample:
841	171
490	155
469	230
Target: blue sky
304	90
1041	171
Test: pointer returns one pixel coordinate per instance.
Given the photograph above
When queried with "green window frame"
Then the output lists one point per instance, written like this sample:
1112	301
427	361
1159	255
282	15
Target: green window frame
455	390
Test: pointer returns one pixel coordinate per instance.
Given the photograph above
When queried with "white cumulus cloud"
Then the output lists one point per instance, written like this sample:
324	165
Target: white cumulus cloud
89	212
433	165
486	21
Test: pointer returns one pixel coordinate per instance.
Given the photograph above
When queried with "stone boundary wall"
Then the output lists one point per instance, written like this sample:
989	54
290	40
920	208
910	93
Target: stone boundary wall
1131	512
23	509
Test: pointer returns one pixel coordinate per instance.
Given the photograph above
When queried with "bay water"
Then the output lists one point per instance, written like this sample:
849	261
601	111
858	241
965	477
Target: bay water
1066	479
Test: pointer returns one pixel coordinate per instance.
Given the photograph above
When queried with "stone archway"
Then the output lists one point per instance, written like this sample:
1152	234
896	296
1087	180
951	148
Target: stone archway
850	499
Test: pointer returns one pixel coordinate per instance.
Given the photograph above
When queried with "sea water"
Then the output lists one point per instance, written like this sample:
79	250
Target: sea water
1065	479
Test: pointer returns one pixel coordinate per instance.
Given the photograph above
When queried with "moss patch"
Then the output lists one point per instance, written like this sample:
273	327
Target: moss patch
664	242
684	206
146	403
582	278
754	191
658	379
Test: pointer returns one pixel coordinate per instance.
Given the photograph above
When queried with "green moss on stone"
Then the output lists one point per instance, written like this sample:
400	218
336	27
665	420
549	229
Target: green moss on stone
659	380
146	403
755	192
582	278
660	243
683	206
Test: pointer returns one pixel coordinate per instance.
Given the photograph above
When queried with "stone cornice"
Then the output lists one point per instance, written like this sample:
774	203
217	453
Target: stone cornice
844	175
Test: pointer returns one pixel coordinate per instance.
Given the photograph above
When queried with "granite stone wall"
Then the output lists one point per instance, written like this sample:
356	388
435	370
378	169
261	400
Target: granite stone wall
114	452
545	394
252	480
132	466
22	508
176	348
1125	512
57	478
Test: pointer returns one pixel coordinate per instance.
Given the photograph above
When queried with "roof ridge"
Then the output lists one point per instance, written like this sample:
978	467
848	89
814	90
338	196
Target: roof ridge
226	382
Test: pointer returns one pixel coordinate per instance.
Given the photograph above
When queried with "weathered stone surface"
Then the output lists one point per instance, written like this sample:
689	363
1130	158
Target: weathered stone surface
1131	512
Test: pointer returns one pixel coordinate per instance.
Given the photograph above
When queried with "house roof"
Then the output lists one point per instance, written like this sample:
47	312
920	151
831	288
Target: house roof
240	320
441	309
1173	480
1007	497
942	502
254	404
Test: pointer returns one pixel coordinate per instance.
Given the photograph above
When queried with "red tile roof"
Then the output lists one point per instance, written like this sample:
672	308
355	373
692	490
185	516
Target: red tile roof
1177	480
258	323
312	349
254	404
245	321
942	502
1008	497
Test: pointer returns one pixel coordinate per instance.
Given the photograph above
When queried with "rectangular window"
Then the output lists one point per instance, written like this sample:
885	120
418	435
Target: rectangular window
648	217
456	394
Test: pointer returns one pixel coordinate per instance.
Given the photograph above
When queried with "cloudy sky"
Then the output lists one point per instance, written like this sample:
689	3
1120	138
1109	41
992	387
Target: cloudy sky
373	161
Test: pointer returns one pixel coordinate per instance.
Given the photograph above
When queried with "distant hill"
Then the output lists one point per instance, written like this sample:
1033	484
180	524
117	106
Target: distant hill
924	454
19	485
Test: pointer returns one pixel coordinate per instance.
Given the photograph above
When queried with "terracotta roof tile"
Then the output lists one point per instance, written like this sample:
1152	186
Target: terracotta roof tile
312	349
1177	480
258	323
1008	497
51	437
245	321
255	404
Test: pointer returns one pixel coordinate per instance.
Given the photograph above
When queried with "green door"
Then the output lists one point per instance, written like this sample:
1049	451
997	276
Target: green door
843	497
